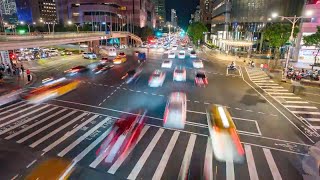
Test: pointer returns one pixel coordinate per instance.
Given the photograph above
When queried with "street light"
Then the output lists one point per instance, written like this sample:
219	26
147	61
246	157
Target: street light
293	20
70	23
28	24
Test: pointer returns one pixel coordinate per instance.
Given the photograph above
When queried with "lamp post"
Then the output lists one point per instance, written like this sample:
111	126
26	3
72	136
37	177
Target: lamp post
293	20
41	20
70	23
28	24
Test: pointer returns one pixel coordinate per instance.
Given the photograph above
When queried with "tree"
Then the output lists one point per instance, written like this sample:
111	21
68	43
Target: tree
313	40
196	30
277	35
145	32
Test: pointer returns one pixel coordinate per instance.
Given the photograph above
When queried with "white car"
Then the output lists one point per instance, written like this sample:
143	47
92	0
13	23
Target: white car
190	48
157	78
166	64
174	47
179	74
171	55
176	111
182	55
89	55
197	64
84	45
193	54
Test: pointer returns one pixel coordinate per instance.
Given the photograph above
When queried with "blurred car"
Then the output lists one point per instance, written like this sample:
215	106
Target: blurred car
53	53
193	54
63	53
102	68
132	75
166	64
200	79
136	53
197	64
157	78
89	55
175	113
190	48
121	58
174	47
225	140
142	57
171	55
144	45
105	60
124	133
182	55
9	96
53	168
76	70
84	45
179	74
44	93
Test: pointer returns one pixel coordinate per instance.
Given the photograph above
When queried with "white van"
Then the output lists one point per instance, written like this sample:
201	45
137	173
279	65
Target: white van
112	51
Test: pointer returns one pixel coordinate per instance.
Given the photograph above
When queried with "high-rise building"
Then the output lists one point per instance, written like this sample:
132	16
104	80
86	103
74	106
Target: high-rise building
205	11
8	11
160	8
174	17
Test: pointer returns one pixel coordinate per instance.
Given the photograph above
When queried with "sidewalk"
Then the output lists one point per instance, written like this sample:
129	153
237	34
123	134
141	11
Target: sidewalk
15	82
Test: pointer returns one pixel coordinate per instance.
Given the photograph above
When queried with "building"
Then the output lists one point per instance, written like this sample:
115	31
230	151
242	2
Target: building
8	11
37	10
174	18
160	8
206	11
195	17
100	13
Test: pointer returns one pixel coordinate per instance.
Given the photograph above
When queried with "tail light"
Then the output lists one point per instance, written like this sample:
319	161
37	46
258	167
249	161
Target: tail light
236	141
206	81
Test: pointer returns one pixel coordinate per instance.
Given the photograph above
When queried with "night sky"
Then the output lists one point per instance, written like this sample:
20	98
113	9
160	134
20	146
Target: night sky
184	9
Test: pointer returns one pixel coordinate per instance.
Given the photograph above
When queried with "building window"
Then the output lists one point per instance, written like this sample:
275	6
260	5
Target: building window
75	14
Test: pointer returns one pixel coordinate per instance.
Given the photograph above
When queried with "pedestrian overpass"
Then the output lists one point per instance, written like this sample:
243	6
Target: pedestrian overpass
10	42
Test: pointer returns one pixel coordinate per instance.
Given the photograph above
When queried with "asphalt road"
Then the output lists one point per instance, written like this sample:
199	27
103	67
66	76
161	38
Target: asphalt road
74	126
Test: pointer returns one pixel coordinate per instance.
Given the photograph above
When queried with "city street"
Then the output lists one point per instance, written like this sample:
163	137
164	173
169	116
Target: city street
75	125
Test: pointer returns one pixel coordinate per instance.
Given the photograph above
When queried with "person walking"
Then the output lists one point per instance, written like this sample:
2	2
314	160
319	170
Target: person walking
28	75
22	69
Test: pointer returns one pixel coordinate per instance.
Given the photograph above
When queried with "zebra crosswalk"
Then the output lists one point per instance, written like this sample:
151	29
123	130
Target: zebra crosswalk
157	153
289	100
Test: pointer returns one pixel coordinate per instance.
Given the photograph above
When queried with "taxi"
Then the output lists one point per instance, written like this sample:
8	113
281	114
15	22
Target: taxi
53	168
121	58
44	93
224	137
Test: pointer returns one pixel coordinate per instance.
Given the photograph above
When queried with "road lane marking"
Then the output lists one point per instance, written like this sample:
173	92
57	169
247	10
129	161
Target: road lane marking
260	78
45	127
280	93
33	125
165	157
287	97
251	164
264	87
36	143
262	81
81	138
16	112
14	104
184	169
30	164
26	121
272	165
230	170
302	107
306	112
208	167
137	168
276	90
313	119
297	102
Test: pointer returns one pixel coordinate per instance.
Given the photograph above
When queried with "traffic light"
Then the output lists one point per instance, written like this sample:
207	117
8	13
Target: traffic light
158	34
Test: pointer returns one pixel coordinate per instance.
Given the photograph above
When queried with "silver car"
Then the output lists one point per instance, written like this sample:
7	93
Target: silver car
175	114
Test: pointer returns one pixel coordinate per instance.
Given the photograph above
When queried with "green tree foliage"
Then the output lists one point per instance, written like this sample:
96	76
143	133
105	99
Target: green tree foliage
144	32
313	40
196	30
277	35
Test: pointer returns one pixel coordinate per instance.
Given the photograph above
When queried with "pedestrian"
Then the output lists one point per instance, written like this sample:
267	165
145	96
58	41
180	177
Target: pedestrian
22	69
261	66
18	72
28	75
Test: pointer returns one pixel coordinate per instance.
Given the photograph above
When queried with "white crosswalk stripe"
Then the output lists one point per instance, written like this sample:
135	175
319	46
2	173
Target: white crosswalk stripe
280	93
306	112
16	112
251	164
313	119
296	102
301	107
208	167
20	103
276	90
187	158
272	165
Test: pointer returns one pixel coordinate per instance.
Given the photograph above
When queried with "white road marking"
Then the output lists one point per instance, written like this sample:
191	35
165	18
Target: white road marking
238	109
137	168
15	113
302	107
259	78
249	110
208	167
297	102
165	157
270	87
272	165
35	124
306	112
26	121
45	127
276	90
266	84
81	138
262	81
230	170
313	119
280	93
36	143
251	164
12	109
288	97
187	157
123	156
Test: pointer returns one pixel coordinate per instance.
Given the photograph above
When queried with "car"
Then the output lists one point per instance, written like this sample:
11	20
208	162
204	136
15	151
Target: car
157	78
175	113
190	48
197	63
132	75
142	57
84	45
123	135
102	68
144	45
136	53
63	53
193	54
182	55
224	137
105	60
48	92
166	64
171	55
174	47
200	79
75	70
179	74
111	51
121	58
89	55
